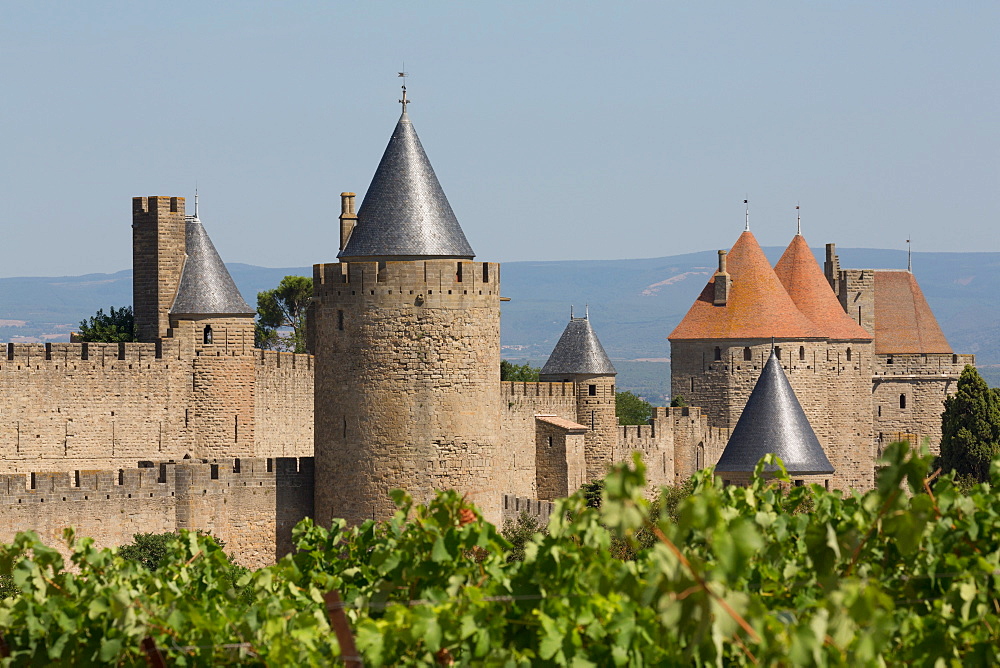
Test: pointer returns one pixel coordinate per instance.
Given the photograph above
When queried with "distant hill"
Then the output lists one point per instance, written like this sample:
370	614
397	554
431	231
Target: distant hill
634	304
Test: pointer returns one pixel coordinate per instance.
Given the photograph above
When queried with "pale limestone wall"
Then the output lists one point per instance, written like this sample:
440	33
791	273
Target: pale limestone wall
158	252
924	381
519	404
407	390
560	464
250	504
595	397
696	444
90	406
834	392
856	292
93	406
849	442
284	404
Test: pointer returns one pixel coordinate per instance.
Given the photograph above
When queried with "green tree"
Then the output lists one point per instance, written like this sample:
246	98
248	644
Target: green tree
522	373
970	427
283	307
632	409
148	549
519	532
678	402
116	327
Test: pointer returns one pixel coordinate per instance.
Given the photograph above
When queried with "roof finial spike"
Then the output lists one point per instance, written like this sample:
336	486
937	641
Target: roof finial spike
909	257
196	200
404	101
747	203
570	311
772	345
586	312
798	220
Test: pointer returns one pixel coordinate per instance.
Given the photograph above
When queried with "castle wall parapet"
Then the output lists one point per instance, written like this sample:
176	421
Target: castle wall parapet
427	283
514	505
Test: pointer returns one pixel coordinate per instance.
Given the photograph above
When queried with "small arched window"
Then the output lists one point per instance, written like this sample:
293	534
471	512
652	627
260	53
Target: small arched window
777	352
747	355
718	354
902	401
802	352
848	354
207	334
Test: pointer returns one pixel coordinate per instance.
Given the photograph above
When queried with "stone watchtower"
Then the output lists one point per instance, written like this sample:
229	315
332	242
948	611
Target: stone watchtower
579	358
183	292
406	334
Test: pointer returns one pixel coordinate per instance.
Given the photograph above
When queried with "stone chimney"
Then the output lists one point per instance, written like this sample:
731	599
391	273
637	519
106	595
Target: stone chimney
348	218
722	281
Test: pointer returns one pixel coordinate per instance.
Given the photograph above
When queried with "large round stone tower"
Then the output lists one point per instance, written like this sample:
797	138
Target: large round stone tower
406	334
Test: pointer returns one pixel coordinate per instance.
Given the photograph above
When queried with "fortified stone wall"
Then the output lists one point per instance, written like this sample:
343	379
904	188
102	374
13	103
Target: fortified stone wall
520	403
251	504
407	394
834	392
107	405
909	393
284	404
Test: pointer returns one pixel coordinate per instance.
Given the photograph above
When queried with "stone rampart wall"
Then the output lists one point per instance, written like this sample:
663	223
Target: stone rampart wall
107	405
250	504
284	404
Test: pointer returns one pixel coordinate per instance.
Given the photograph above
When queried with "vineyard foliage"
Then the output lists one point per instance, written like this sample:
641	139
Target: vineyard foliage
759	575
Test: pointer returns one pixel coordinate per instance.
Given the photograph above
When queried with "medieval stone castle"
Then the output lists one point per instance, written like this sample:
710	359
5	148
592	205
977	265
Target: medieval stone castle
193	427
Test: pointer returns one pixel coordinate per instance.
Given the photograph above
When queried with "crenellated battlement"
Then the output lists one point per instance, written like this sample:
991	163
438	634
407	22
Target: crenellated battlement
154	480
510	390
419	283
916	364
281	360
138	356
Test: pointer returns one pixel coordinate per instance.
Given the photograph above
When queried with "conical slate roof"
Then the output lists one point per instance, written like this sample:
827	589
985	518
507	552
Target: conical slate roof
578	352
206	286
773	422
805	283
405	213
758	307
904	322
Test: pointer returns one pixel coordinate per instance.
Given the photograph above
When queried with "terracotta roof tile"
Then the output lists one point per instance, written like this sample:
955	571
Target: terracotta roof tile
758	307
904	322
799	272
562	423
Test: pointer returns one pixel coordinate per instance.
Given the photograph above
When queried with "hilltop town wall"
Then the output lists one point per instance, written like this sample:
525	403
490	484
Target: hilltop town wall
108	405
908	395
250	504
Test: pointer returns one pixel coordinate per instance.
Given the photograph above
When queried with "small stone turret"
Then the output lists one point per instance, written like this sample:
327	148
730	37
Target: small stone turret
579	357
158	247
213	325
773	422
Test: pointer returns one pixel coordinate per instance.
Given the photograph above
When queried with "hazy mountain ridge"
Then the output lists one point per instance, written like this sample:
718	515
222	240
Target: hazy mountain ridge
634	304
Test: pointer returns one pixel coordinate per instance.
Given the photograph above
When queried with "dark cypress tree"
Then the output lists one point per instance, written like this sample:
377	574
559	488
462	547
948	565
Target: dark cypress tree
970	427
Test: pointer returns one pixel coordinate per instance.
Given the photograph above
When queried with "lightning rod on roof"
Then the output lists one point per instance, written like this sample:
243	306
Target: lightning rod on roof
909	257
746	202
798	221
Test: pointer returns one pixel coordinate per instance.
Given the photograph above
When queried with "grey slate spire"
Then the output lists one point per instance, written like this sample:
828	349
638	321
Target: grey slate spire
578	352
405	214
773	422
206	288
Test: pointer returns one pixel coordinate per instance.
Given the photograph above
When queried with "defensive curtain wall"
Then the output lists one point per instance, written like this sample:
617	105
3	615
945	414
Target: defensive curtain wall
249	503
70	406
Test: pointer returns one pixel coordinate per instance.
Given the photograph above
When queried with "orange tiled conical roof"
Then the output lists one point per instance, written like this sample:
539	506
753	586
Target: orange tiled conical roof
799	272
757	306
904	322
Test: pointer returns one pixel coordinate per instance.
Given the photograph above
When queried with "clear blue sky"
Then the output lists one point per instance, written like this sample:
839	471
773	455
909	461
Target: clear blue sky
559	130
